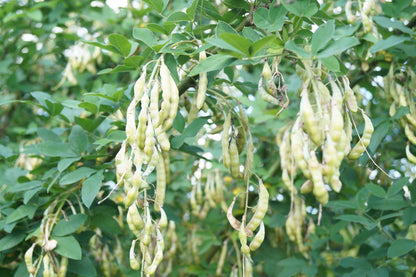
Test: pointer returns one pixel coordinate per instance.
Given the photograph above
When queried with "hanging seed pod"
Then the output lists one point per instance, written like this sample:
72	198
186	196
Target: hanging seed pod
202	84
319	190
258	238
234	159
235	223
225	141
221	260
29	259
261	208
160	185
133	258
360	147
63	267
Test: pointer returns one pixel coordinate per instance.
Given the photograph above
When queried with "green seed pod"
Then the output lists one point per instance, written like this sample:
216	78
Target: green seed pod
261	208
225	141
234	159
258	238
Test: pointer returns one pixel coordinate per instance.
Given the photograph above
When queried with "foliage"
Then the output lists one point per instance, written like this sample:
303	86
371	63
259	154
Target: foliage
67	76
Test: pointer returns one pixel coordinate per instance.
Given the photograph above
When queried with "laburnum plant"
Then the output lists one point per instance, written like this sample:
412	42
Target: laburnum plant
207	138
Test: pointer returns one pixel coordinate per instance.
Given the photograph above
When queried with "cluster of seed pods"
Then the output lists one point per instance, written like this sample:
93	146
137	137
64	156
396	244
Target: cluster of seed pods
52	267
403	96
144	150
206	194
323	124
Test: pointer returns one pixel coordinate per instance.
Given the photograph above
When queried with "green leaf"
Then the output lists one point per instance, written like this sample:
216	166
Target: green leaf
91	187
89	124
331	63
78	139
158	5
322	36
179	122
224	27
146	36
272	20
11	240
77	175
263	42
400	112
5	151
397	24
379	135
55	149
68	226
178	17
21	212
336	47
82	267
68	247
400	247
238	42
388	43
409	216
121	43
212	63
18	187
305	8
376	190
35	15
65	163
397	186
358	219
190	131
292	46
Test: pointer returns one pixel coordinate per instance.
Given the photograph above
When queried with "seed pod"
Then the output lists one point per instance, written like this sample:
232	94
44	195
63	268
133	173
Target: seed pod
172	95
258	238
409	155
243	117
221	260
336	184
202	84
163	222
307	187
63	267
225	141
360	147
249	158
349	95
267	72
151	269
248	267
330	157
410	134
308	116
261	208
131	121
166	160
160	185
152	164
136	219
149	141
28	259
134	260
234	159
145	239
297	147
235	223
337	123
47	270
154	104
267	97
131	196
242	235
336	94
241	139
319	190
139	85
141	128
162	138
